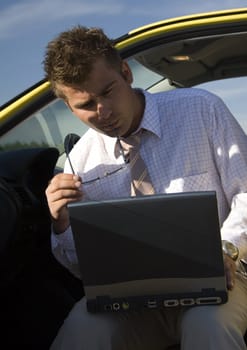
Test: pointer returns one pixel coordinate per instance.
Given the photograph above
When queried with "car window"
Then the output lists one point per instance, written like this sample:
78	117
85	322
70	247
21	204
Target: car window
233	93
46	128
147	79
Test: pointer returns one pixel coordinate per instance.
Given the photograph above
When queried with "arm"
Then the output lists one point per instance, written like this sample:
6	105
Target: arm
63	189
234	229
230	149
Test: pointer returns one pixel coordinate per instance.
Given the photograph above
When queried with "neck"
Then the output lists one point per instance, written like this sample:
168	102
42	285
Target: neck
139	111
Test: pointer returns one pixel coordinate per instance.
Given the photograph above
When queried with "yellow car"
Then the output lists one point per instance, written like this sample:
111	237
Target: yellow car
206	50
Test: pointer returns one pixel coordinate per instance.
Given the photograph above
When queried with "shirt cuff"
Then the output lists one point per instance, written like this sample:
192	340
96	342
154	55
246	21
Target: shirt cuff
65	239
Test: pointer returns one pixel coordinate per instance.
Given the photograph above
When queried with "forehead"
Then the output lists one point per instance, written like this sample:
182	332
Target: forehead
101	76
69	93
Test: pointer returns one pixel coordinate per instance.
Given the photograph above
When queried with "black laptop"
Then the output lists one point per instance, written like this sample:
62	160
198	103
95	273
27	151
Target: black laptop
152	251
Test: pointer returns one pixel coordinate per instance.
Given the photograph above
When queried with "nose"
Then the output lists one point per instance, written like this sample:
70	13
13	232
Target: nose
103	110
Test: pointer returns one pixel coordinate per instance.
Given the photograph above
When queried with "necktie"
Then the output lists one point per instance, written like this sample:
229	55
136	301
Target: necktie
140	180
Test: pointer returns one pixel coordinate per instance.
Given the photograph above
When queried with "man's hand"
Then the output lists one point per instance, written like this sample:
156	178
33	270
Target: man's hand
62	189
230	269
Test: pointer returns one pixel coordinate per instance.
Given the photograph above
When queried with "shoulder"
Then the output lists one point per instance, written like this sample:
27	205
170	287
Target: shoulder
185	93
189	99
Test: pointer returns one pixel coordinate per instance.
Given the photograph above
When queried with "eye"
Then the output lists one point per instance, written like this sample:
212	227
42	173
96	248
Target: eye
109	89
107	92
87	105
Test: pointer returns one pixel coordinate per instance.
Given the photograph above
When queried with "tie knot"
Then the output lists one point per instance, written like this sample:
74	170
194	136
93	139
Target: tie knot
140	180
133	141
128	145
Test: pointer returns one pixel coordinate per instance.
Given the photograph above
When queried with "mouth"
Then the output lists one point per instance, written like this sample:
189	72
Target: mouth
109	128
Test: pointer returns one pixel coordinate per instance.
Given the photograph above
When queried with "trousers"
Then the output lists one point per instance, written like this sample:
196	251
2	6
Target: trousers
211	327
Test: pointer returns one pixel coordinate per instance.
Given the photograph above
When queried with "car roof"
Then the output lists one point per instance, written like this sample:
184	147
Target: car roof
184	50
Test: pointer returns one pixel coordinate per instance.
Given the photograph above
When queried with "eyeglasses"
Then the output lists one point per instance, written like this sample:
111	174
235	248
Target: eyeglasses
107	173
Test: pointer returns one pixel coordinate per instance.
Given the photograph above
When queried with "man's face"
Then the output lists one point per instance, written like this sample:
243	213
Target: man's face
106	101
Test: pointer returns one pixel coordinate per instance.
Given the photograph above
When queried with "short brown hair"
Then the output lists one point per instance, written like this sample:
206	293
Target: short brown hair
69	58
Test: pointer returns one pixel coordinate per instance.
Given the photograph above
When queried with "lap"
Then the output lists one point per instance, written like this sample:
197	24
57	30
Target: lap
149	329
132	330
234	312
217	327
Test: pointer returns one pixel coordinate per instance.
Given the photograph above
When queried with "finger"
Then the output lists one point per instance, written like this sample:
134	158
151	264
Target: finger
58	202
230	269
64	182
67	195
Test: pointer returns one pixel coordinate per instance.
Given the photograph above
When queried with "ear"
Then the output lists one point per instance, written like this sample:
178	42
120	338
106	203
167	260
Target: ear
126	72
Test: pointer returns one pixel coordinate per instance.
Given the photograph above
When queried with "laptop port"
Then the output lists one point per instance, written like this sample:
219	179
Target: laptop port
116	306
208	300
152	304
125	305
187	302
108	307
171	302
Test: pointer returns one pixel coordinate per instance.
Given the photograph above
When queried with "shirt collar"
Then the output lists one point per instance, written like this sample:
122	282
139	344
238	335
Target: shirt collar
151	117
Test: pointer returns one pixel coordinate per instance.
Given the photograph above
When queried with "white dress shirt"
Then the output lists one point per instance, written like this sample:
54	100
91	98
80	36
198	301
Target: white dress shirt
191	143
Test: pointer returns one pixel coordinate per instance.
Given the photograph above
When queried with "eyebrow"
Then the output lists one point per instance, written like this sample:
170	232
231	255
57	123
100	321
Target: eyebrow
105	88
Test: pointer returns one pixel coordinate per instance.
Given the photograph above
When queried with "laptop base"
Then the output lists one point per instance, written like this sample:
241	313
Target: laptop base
108	304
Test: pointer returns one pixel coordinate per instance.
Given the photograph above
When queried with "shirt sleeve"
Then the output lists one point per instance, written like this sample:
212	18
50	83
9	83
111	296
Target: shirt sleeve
63	249
234	228
230	143
62	244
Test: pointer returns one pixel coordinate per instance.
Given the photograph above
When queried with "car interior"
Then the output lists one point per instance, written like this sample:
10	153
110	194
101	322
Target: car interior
189	62
37	292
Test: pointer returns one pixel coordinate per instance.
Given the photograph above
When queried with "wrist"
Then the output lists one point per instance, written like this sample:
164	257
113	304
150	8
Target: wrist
230	249
60	226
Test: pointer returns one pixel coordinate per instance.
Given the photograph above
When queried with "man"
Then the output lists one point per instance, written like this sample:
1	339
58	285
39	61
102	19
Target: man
189	142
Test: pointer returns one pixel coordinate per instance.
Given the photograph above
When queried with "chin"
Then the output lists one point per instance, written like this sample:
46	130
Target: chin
112	133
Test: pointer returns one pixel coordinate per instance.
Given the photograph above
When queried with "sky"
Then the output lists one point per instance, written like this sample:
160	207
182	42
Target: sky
26	26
